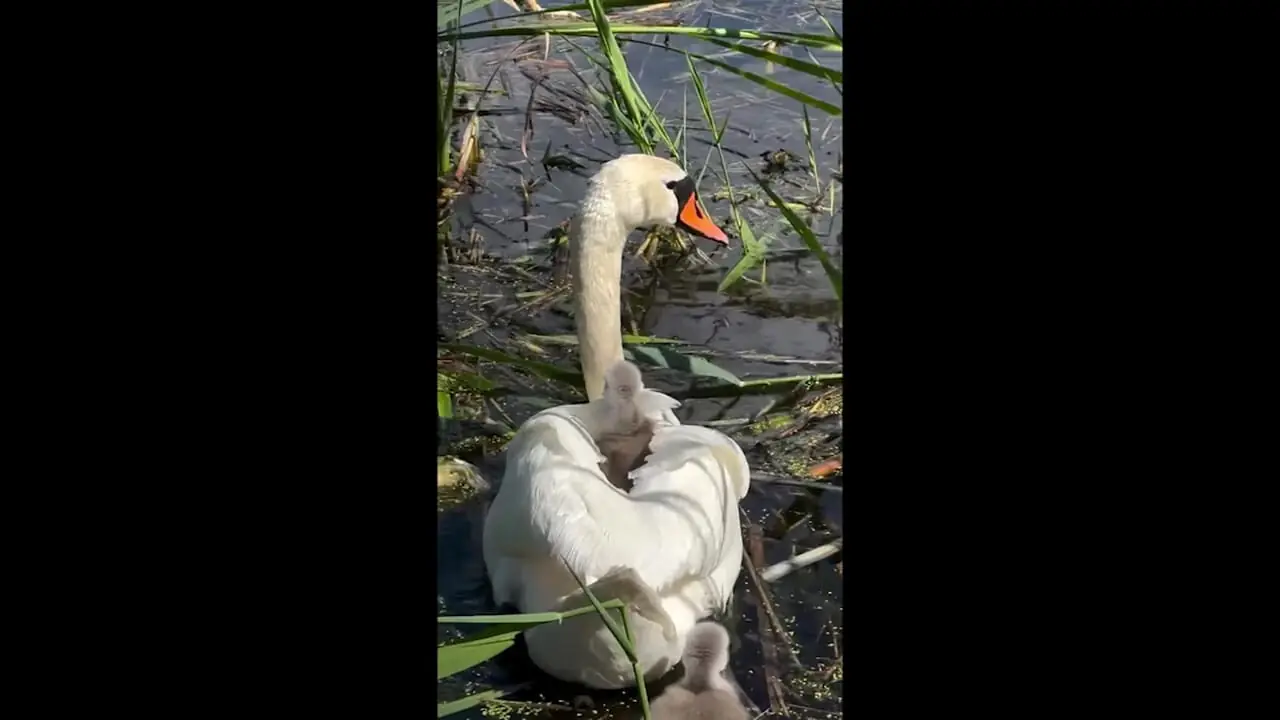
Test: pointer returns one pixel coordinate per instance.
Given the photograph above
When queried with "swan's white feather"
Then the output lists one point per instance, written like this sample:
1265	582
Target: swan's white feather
678	530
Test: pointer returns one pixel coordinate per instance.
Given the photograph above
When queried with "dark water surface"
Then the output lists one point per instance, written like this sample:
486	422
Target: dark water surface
744	330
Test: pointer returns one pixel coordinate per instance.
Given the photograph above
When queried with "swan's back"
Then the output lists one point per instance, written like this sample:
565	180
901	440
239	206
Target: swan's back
677	533
553	480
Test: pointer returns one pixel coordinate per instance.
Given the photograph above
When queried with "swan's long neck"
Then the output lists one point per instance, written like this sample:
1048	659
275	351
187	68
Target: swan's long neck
596	243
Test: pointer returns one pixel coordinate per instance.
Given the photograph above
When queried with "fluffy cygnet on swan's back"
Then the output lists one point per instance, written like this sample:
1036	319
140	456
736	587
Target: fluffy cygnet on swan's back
625	434
622	383
703	693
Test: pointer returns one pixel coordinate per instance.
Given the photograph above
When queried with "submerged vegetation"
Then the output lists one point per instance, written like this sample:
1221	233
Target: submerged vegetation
499	360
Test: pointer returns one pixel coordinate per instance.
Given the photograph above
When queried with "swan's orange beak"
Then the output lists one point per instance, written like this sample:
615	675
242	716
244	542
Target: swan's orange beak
692	218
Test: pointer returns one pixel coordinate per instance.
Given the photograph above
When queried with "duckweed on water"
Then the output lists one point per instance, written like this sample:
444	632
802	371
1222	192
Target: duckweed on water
767	424
503	709
828	404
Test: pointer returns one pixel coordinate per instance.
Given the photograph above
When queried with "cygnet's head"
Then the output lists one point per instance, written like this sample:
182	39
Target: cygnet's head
647	190
706	652
703	692
623	381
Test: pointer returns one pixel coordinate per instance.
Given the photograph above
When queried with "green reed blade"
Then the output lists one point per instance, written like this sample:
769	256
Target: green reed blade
819	42
815	68
810	240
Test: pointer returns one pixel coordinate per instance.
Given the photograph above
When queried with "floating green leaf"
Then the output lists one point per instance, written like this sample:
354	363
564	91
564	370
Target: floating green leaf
456	657
541	369
689	364
445	709
759	386
466	7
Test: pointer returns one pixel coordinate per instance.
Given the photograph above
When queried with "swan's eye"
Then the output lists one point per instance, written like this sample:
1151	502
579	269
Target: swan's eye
672	185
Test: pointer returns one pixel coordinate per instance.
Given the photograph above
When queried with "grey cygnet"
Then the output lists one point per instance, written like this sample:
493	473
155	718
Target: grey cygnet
624	432
703	693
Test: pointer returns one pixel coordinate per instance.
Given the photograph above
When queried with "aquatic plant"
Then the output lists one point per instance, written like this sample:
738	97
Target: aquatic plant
456	657
632	112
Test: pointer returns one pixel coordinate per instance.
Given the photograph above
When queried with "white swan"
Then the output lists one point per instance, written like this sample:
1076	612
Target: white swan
672	547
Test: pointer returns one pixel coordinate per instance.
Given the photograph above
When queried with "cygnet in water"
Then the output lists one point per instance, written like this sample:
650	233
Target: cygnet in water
703	693
625	435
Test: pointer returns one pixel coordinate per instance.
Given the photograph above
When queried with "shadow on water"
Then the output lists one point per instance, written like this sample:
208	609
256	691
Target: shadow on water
787	325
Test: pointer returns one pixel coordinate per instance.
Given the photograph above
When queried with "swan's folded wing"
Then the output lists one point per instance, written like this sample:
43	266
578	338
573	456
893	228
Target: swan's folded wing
658	407
673	525
549	445
675	448
556	501
553	466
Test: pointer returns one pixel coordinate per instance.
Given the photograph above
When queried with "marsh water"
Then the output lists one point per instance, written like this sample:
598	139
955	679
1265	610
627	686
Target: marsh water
541	139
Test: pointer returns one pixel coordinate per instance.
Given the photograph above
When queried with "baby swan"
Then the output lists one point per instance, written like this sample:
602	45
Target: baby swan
624	439
703	693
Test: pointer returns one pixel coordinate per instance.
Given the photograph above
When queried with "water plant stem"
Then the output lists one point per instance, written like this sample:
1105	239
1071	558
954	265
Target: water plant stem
776	572
635	665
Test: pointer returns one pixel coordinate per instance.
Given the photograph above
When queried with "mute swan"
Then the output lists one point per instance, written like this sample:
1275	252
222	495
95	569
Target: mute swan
672	547
702	692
